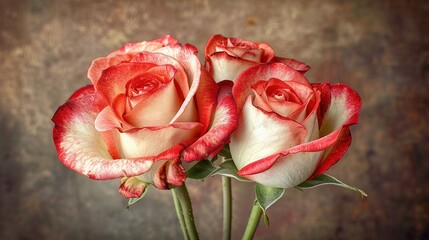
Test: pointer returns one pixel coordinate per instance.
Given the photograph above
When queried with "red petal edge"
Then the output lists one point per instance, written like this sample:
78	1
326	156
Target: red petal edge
353	104
224	123
81	148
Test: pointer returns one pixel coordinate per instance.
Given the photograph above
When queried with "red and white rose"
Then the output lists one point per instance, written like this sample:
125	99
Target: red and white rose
288	129
150	106
226	57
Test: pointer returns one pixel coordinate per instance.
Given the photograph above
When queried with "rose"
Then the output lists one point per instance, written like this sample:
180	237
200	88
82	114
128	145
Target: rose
226	57
288	129
150	106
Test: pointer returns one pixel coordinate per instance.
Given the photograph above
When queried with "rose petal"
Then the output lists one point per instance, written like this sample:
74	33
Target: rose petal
343	111
176	174
221	41
295	107
151	141
224	123
101	64
260	134
206	98
106	120
243	85
295	64
82	92
125	54
162	59
249	54
225	67
111	139
289	170
132	187
158	109
336	152
170	173
266	163
181	79
187	56
113	81
81	147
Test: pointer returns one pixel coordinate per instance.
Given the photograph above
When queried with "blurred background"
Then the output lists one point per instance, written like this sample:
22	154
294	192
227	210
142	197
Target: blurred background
379	48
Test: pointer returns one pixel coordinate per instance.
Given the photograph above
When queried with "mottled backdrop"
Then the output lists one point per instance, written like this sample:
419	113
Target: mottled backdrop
379	48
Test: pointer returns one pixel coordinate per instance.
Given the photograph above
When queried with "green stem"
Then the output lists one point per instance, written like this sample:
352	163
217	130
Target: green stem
253	222
180	216
227	206
182	195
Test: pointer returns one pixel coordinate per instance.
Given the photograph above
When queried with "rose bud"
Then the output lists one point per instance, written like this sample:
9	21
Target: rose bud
226	57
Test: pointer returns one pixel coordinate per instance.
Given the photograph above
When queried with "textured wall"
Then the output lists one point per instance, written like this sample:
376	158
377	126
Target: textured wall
379	48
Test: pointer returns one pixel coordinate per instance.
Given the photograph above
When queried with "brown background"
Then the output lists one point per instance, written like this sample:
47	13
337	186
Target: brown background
379	48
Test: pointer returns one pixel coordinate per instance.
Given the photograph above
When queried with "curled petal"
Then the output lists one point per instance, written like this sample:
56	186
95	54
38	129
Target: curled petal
261	134
147	46
81	147
343	111
158	109
224	123
125	54
163	59
223	66
187	56
151	141
170	173
295	64
320	144
82	92
106	120
113	80
289	170
132	187
100	64
243	85
218	40
206	98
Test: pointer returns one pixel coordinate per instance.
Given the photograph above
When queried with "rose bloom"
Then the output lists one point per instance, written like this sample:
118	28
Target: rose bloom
150	106
226	57
288	129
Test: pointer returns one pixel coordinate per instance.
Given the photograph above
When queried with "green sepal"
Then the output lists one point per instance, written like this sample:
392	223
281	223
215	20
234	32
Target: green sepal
225	152
325	179
131	201
228	169
202	169
206	168
267	196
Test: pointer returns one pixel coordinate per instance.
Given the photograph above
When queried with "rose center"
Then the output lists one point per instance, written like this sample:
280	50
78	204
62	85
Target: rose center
280	96
283	95
142	86
139	90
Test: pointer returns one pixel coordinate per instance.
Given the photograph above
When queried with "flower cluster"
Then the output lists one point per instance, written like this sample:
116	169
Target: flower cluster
154	115
153	110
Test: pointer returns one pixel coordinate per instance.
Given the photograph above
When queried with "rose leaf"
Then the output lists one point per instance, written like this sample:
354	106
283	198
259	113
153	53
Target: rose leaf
325	179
